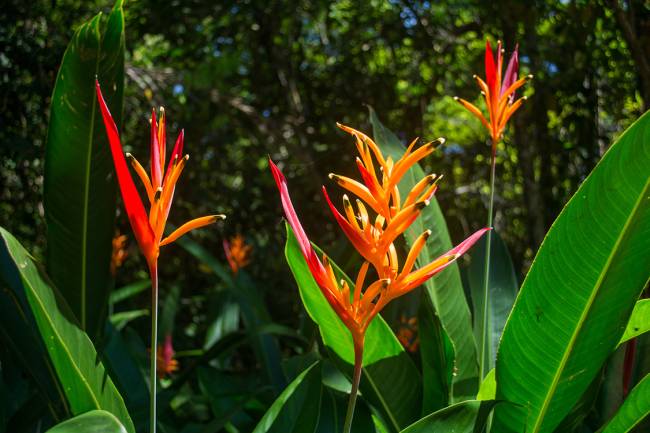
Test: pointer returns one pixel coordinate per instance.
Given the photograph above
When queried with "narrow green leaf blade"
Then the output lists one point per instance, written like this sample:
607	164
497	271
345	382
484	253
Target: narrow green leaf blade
85	383
639	321
79	189
445	289
466	417
580	291
95	421
502	289
390	379
634	409
437	354
297	409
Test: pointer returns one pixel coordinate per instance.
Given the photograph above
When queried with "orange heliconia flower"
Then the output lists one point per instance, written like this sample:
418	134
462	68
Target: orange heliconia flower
119	253
149	229
165	358
499	92
237	252
374	239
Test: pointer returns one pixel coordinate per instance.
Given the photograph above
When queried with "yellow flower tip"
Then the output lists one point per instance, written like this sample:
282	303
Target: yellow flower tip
335	177
426	234
456	98
530	76
129	156
186	157
158	193
162	109
422	204
475	76
216	218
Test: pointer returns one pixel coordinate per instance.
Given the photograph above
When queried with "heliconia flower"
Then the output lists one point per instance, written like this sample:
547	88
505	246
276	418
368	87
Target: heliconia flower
374	240
166	364
237	253
149	229
119	253
499	92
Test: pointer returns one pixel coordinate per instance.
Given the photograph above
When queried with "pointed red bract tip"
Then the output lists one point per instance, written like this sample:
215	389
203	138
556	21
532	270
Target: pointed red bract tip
313	262
357	240
132	203
512	72
156	169
490	67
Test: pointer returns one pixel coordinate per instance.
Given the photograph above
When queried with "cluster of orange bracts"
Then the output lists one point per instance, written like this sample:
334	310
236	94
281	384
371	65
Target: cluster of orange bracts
374	238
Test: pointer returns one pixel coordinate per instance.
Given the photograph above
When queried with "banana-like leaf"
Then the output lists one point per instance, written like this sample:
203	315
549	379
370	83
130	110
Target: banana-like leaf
297	409
85	383
634	409
95	421
639	321
466	417
437	355
444	289
390	380
79	188
502	291
580	291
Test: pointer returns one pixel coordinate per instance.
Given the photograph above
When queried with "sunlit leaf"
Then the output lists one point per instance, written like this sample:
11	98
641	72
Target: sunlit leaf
580	291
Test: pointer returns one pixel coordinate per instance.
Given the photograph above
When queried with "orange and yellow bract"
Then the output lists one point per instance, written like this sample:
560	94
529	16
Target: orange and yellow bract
498	91
237	252
374	237
149	229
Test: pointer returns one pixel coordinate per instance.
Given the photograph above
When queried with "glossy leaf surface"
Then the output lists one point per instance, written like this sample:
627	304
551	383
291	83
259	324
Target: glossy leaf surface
84	381
390	379
95	421
79	188
444	289
580	291
466	417
639	321
502	291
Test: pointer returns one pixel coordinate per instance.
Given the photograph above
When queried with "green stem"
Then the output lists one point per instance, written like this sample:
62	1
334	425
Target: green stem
153	270
356	378
486	273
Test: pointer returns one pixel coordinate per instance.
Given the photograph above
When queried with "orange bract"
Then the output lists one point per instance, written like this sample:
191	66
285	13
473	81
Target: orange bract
374	237
237	253
149	229
498	91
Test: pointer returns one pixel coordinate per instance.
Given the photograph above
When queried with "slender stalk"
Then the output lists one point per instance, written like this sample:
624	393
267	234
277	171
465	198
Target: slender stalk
356	378
486	273
153	270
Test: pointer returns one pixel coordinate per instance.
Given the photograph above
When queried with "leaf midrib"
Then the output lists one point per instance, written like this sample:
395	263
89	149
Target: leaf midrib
84	230
44	313
569	348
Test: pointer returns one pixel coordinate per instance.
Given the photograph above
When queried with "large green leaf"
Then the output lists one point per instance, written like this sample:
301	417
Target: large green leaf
502	293
390	380
639	321
580	291
84	381
79	188
95	421
445	289
297	409
437	354
634	409
466	417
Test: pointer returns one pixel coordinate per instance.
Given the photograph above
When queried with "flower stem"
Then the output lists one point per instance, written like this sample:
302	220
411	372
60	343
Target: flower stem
486	282
356	378
153	271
